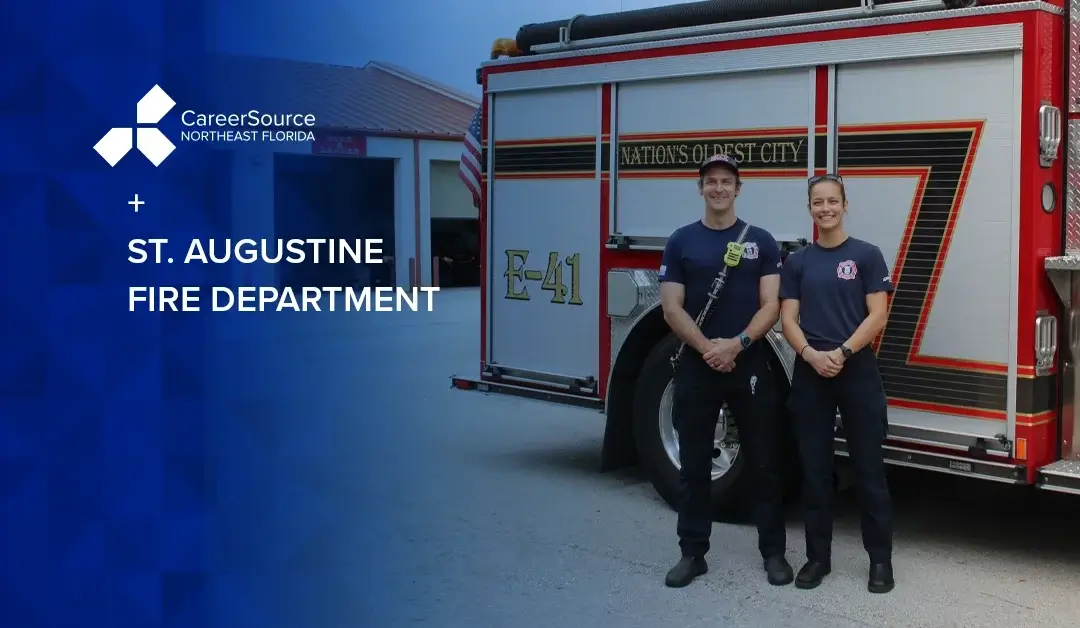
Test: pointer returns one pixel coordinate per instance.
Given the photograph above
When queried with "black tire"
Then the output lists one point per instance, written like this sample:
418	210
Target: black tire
729	490
653	380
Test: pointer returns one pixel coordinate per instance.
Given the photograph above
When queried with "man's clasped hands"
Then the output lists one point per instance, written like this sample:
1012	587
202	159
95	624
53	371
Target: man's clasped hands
721	357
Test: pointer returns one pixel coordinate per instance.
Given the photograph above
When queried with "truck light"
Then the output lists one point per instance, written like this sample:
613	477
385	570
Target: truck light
504	47
1046	334
1049	198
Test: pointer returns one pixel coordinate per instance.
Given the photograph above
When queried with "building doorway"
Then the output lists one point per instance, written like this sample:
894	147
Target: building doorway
319	196
455	229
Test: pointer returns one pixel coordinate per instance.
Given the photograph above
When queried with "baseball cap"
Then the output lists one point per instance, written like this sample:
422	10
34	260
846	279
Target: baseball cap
720	160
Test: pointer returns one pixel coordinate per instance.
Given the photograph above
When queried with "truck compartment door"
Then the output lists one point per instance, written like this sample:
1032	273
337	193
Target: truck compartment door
544	237
934	183
666	128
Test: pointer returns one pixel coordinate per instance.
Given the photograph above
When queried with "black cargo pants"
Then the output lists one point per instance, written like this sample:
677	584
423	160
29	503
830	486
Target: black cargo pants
750	392
860	396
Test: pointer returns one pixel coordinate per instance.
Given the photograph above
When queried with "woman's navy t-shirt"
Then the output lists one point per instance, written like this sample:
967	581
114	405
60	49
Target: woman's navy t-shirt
831	286
694	256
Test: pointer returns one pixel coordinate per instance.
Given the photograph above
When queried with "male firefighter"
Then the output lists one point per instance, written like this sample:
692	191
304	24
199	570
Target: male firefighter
835	303
724	362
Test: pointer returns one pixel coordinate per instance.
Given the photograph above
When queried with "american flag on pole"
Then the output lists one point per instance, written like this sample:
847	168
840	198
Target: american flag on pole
471	155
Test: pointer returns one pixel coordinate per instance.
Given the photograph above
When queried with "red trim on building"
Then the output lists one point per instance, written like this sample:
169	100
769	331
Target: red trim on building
413	135
418	276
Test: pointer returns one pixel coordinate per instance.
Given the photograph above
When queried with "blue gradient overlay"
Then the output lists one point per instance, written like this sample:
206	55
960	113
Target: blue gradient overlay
188	469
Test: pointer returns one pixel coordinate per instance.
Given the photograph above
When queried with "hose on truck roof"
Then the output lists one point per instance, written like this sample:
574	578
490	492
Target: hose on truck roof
677	16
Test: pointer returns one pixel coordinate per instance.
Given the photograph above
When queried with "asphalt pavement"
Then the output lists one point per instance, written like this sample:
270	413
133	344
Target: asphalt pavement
505	521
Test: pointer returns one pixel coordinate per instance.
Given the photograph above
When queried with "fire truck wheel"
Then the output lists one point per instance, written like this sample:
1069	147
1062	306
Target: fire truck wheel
657	440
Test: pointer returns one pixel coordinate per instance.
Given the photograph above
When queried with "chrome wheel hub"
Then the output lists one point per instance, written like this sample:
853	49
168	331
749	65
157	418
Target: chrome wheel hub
725	438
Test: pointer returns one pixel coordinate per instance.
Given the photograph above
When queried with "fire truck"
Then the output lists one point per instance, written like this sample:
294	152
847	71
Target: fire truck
946	120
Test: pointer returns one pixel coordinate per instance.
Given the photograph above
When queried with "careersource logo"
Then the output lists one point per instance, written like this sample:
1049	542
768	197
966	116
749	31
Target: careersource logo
149	141
253	126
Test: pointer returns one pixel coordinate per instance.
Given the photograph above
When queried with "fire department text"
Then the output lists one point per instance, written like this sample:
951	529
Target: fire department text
271	299
248	251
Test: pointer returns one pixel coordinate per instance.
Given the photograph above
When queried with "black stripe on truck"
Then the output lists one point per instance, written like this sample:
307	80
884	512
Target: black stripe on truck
551	158
944	155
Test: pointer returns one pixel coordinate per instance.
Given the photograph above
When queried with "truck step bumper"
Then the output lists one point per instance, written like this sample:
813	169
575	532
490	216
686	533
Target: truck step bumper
1062	476
954	465
524	392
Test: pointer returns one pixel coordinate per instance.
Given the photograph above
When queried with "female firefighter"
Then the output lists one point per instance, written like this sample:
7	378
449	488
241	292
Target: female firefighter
833	305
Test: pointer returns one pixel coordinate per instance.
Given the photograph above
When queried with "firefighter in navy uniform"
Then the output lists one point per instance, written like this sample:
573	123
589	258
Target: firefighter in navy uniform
724	362
833	304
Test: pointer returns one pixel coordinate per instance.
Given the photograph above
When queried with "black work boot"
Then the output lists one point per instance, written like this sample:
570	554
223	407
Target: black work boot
811	574
684	572
881	578
778	571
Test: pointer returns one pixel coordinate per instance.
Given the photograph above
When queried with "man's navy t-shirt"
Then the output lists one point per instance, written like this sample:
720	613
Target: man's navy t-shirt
831	286
694	257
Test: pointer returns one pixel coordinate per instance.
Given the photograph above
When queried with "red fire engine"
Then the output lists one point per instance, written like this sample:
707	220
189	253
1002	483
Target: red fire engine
945	119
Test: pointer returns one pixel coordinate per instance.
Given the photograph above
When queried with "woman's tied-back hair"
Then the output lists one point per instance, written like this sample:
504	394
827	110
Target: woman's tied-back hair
835	178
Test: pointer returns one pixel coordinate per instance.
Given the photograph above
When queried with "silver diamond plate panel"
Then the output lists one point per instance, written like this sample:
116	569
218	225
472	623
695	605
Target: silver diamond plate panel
1064	262
1060	270
783	350
648	288
1072	191
1074	56
1067	468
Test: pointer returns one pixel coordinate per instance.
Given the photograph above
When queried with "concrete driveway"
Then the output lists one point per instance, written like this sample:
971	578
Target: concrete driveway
491	513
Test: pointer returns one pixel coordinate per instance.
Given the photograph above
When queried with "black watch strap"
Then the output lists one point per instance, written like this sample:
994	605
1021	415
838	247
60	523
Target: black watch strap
844	350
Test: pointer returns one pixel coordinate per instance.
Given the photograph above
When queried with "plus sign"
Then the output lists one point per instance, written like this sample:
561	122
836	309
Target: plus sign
135	203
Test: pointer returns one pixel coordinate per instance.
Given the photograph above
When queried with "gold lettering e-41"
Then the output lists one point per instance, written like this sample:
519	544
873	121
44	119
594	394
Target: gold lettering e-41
552	279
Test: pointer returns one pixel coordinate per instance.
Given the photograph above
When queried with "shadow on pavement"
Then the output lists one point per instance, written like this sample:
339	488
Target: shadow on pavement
935	510
954	511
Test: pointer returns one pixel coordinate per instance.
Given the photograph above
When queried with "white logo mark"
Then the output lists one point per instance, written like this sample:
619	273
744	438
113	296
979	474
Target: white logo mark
149	141
753	383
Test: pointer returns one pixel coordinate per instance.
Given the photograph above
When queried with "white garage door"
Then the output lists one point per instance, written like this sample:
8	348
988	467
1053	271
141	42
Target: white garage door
449	196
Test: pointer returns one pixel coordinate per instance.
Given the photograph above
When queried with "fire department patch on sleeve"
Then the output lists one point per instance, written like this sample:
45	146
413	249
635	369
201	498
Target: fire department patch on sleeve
847	270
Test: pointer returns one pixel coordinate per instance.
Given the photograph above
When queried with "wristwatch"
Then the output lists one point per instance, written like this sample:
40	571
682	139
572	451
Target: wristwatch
745	340
844	350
